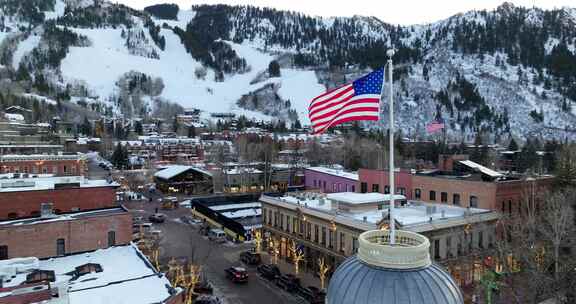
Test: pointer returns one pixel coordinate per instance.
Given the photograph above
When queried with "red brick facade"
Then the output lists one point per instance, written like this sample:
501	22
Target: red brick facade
369	177
56	167
79	235
27	203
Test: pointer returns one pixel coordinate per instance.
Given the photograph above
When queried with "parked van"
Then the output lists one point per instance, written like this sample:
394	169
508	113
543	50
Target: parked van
217	235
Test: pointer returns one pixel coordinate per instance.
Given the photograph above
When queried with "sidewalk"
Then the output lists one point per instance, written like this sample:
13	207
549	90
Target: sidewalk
307	278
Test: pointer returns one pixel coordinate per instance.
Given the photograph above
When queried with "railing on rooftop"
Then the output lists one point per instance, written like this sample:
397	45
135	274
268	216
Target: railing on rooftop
410	250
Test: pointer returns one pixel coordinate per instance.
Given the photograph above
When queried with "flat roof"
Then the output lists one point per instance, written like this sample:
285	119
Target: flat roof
355	198
126	277
335	172
49	183
410	216
64	217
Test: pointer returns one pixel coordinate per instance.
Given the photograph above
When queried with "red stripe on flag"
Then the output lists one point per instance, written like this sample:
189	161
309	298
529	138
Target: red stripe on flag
349	103
347	111
315	103
347	119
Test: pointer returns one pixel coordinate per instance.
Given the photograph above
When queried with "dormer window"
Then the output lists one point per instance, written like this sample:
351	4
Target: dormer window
38	276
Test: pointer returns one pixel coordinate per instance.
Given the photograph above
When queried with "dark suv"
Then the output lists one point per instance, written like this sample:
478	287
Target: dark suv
250	258
288	282
312	294
269	271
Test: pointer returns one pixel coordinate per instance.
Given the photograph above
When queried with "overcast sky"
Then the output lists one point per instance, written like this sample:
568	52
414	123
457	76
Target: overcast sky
398	11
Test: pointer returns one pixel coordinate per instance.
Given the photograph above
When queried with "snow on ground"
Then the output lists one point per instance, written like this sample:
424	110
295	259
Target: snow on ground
59	8
300	87
176	67
184	17
24	48
40	98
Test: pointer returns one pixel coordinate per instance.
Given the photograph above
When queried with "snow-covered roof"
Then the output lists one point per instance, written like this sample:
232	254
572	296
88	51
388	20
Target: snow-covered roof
172	171
242	171
335	172
14	117
412	215
480	168
236	206
242	213
363	198
126	277
8	184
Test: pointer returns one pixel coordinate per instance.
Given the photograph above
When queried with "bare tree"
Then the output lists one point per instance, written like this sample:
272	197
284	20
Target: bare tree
558	223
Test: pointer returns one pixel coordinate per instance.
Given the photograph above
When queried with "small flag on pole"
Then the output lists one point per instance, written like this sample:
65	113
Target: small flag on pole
435	126
359	100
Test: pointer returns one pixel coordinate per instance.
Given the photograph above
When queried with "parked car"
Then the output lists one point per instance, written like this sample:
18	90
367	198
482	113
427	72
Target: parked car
312	294
269	271
237	274
250	258
217	235
207	299
288	282
204	287
157	218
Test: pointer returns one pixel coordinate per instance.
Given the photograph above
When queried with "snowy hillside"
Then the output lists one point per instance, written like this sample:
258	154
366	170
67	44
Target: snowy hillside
508	71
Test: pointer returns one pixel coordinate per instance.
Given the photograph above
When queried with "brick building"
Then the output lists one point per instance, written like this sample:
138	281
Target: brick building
23	197
378	181
56	235
330	180
55	164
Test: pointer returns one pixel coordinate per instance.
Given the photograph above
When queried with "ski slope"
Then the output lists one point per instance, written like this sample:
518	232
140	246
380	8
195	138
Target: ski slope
107	59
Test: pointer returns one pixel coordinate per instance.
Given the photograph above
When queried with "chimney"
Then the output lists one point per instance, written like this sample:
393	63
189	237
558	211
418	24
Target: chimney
46	210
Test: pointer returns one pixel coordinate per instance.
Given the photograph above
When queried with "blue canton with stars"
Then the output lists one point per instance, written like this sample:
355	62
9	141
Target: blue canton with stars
370	84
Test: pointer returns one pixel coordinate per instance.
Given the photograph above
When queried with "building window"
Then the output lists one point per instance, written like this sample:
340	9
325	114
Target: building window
12	215
294	225
111	238
342	241
315	183
334	189
3	252
432	195
281	220
449	246
401	191
503	206
353	188
331	239
509	207
375	188
363	187
473	201
65	169
323	236
287	223
324	185
301	227
386	189
270	217
417	193
264	215
444	197
481	239
308	231
60	247
456	199
437	249
316	233
354	245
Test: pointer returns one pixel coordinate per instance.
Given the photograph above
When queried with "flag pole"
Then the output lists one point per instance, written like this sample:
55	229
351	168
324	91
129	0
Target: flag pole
390	54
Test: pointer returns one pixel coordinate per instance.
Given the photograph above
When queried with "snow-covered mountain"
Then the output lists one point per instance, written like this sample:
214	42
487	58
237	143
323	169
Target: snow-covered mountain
512	70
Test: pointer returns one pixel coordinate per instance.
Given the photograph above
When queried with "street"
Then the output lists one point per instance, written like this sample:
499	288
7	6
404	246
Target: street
180	240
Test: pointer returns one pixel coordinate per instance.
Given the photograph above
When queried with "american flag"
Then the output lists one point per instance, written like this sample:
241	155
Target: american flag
356	101
435	126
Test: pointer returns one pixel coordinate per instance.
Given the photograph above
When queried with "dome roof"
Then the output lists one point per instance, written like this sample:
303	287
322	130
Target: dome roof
359	283
398	274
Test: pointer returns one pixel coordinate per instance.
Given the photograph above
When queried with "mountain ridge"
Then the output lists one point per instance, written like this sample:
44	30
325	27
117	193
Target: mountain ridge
502	73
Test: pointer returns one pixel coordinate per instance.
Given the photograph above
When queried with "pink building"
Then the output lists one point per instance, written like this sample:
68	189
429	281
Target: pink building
329	180
377	181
